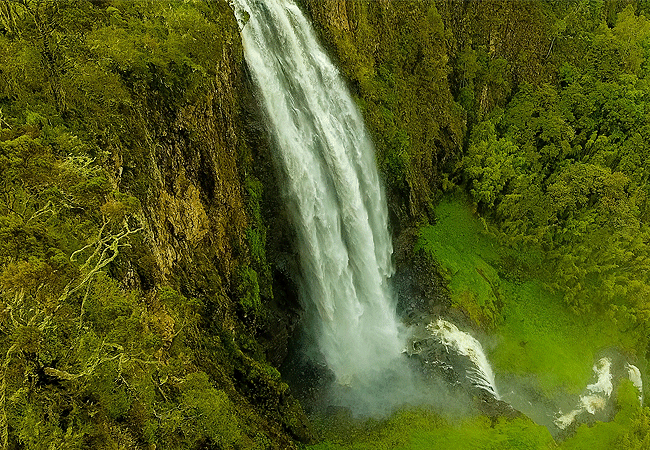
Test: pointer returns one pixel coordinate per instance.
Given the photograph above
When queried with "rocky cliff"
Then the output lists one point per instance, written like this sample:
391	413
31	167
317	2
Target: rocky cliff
155	99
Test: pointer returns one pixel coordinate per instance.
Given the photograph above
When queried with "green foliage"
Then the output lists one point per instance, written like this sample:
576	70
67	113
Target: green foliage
256	239
491	164
89	93
248	290
561	167
423	429
51	277
637	437
87	363
201	415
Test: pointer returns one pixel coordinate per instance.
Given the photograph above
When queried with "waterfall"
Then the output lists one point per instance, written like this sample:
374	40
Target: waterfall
450	336
333	189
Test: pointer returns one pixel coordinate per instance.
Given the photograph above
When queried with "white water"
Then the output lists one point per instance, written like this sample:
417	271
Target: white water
333	189
635	377
594	400
564	420
603	372
450	336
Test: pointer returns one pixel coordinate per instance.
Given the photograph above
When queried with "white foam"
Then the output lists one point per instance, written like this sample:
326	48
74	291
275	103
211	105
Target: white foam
604	382
593	401
481	374
564	420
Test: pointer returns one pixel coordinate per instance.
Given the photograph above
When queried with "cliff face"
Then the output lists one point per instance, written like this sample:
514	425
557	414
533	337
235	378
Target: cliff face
424	72
197	174
154	99
186	161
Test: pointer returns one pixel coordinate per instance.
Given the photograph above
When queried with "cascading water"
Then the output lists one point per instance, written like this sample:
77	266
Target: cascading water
333	189
450	336
635	376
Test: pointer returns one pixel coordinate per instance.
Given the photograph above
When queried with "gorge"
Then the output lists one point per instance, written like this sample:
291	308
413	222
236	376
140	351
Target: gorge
324	223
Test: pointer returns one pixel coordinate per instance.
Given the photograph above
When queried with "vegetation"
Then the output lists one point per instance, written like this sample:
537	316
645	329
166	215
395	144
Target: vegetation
560	167
423	429
136	285
133	271
537	334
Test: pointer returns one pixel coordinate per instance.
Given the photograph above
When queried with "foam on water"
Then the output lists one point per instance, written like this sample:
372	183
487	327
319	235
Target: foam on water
635	376
596	397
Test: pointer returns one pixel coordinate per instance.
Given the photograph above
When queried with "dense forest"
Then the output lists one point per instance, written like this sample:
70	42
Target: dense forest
147	289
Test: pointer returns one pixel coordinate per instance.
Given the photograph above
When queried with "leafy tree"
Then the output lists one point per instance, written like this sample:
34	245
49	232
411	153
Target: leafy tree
561	167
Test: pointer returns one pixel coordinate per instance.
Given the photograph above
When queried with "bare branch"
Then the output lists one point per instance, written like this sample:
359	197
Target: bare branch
106	249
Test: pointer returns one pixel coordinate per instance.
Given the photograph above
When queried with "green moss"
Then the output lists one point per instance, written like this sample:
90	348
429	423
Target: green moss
248	291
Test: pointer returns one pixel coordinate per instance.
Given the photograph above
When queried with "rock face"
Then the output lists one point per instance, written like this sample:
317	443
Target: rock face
187	171
195	161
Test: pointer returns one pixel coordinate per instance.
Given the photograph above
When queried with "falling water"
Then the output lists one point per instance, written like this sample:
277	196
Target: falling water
333	189
635	377
480	374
